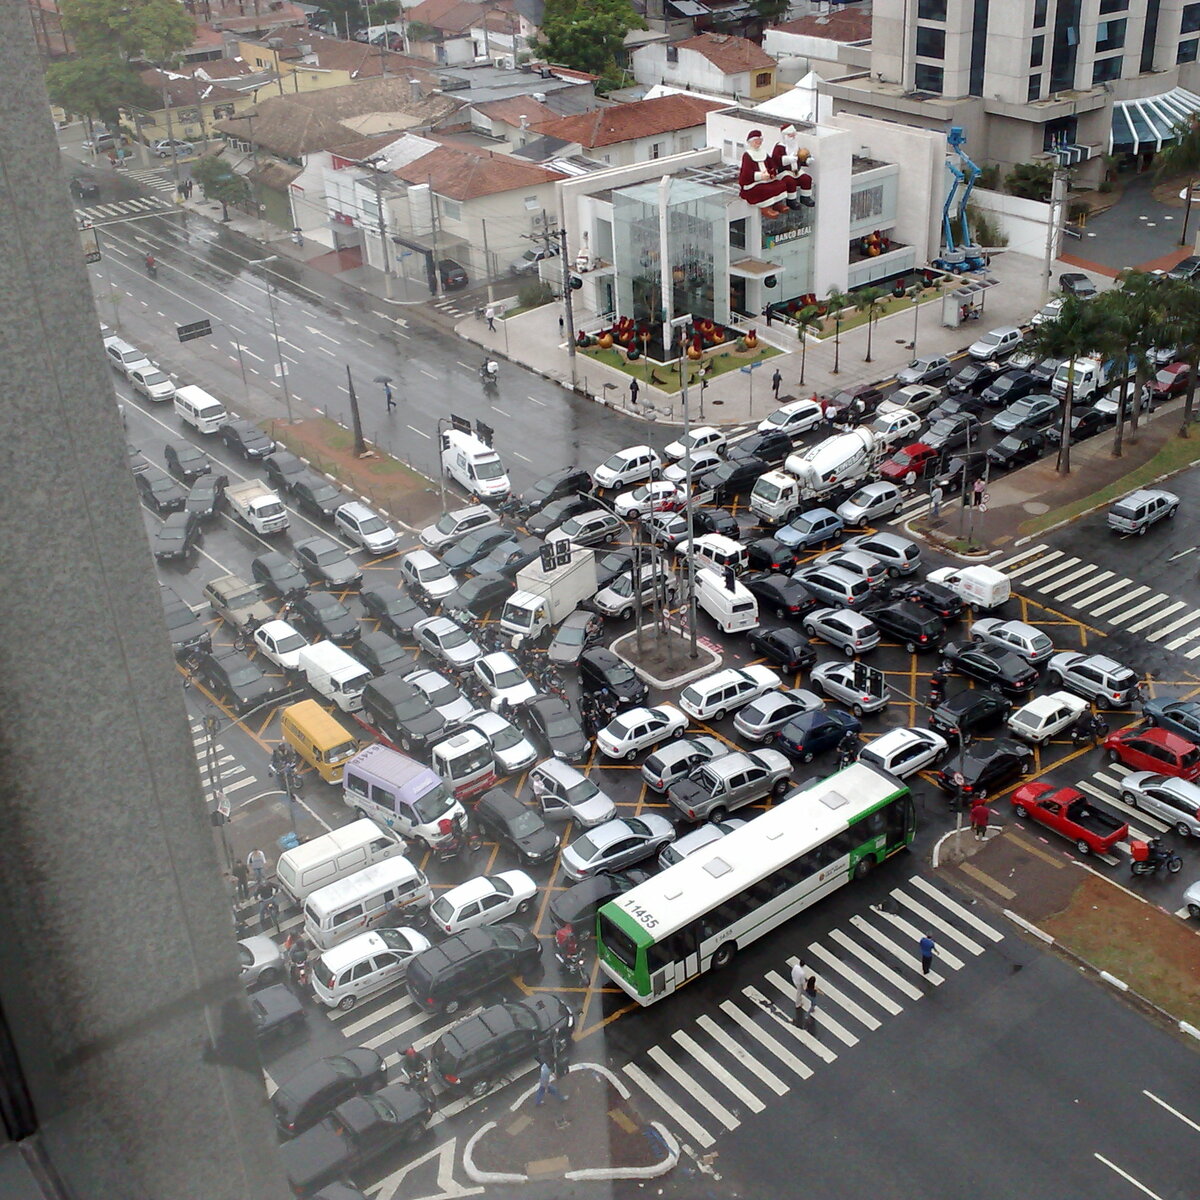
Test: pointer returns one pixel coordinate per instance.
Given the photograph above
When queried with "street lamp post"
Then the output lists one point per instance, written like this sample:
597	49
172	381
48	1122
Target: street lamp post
372	164
282	366
680	323
837	343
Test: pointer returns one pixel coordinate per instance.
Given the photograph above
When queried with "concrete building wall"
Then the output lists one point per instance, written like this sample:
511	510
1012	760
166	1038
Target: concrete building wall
1023	222
692	71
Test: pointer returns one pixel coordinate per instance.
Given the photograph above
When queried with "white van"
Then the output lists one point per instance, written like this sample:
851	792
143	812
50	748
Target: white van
473	464
364	965
980	587
195	407
334	855
393	890
898	425
714	550
733	609
399	792
334	674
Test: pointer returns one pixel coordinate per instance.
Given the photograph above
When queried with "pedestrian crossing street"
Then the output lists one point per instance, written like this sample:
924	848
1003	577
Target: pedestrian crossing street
120	209
226	773
1104	597
450	308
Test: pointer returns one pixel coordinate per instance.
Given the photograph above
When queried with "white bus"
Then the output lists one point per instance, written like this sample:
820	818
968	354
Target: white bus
699	912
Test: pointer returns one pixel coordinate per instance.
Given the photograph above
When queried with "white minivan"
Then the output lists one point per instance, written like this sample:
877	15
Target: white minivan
393	890
195	407
474	465
734	608
364	965
303	869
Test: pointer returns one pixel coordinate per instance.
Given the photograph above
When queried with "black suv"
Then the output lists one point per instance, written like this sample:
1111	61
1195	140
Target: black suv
402	713
238	680
324	615
483	1048
601	669
771	445
1012	385
974	376
917	627
441	978
246	438
557	484
1018	449
305	1098
1000	669
515	826
968	711
185	461
769	554
984	767
788	647
716	520
186	633
729	478
936	597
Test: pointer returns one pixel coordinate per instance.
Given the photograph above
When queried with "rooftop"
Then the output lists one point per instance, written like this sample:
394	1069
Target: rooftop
842	24
728	53
625	122
460	174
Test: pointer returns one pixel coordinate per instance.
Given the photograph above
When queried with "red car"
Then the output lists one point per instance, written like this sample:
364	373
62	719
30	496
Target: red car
1155	749
917	457
1171	381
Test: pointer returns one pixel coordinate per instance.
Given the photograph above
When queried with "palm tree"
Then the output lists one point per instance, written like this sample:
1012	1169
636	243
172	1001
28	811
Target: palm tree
1123	316
867	300
835	304
809	317
1073	334
1182	157
1181	327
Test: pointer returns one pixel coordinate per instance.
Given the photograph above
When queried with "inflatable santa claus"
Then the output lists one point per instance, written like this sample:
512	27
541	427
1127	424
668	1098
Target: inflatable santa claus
790	163
758	179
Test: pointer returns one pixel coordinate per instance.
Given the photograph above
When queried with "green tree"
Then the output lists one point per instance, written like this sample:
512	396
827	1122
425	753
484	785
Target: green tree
769	12
150	30
1123	315
869	300
588	36
1031	181
220	182
1182	157
97	86
345	16
836	303
1181	327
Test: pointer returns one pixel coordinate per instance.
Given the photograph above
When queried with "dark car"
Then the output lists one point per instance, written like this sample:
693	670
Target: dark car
553	721
1017	449
1084	424
951	479
283	469
1001	670
316	497
936	597
85	189
238	680
324	561
968	712
915	627
1044	369
1186	268
729	478
355	1132
402	713
379	652
509	557
205	495
975	376
769	554
323	615
177	537
305	1098
984	767
441	978
557	511
246	438
716	520
515	826
788	647
576	632
578	904
160	492
770	445
479	595
185	461
184	630
851	405
1012	385
395	610
477	544
950	432
809	734
277	573
1181	717
601	670
780	594
452	274
964	403
484	1048
275	1011
1076	283
610	565
565	482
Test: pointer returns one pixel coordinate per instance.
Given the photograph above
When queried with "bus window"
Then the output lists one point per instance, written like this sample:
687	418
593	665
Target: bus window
620	943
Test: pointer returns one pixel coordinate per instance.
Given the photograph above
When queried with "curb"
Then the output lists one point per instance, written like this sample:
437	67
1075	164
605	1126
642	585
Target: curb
675	680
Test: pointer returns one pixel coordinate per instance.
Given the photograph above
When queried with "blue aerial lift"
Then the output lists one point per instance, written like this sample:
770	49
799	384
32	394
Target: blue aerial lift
962	255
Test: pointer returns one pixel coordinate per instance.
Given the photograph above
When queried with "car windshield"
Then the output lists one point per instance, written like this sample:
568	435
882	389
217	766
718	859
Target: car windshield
411	706
571	635
433	572
443	694
455	638
561	724
989	340
510	677
171	532
324	491
491	468
902	458
584	847
433	804
330	556
151	378
374	524
505	738
581	792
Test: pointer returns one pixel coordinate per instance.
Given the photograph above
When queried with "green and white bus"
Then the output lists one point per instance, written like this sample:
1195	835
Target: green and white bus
698	913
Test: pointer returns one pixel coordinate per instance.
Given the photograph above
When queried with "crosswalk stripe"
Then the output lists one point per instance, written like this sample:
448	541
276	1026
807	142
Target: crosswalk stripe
1058	568
756	1068
936	922
910	930
905	959
880	968
681	1116
1053	587
852	976
249	781
780	1051
956	908
1029	551
1092	581
1191	615
1123	617
718	1072
690	1086
1033	564
1192	653
1130	595
1118	584
365	1022
1155	616
827	1022
404	1026
800	1034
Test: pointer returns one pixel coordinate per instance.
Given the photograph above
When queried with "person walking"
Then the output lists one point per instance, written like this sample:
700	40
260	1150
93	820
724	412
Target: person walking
633	391
799	975
489	314
539	790
776	380
562	327
241	876
935	501
546	1078
910	479
268	906
387	395
927	947
256	860
810	999
980	816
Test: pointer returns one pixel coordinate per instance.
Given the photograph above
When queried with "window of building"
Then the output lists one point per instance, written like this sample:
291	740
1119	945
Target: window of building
1037	50
931	10
1064	45
737	234
1190	21
1034	91
686	143
979	37
1065	129
931	43
762	79
929	78
672	54
656	149
1187	51
1112	6
451	210
1110	35
1106	69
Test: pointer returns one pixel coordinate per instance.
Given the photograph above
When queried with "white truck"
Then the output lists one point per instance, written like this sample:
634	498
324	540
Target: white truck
543	598
837	462
256	505
334	674
1091	377
978	586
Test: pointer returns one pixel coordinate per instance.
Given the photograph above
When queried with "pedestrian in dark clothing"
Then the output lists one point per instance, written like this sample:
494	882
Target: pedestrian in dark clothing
562	327
927	946
268	906
980	816
241	875
769	314
809	999
633	391
387	395
776	380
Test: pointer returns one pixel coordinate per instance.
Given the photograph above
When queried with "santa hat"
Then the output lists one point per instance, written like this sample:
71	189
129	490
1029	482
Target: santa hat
788	130
754	133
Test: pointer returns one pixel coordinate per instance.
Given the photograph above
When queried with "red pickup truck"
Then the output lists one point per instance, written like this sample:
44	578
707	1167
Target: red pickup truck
1069	812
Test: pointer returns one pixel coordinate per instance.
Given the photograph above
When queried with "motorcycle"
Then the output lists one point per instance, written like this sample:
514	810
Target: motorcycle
151	266
1092	728
1148	858
489	372
416	1068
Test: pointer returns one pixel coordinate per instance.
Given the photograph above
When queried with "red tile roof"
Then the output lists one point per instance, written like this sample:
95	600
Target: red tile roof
463	175
511	109
625	122
729	54
840	25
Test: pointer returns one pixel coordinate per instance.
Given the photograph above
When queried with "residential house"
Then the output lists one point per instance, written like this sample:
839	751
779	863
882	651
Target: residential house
459	32
709	62
188	107
829	43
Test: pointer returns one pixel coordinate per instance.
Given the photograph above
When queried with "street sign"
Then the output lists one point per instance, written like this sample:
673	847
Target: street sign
484	433
91	242
223	805
196	329
280	370
460	423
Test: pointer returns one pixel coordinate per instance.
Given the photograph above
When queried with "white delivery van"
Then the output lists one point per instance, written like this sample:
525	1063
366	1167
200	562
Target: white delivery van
334	855
334	674
195	407
393	891
980	587
733	609
473	465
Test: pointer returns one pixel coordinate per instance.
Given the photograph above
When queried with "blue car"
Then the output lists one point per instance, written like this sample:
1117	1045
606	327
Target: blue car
809	734
810	529
1175	716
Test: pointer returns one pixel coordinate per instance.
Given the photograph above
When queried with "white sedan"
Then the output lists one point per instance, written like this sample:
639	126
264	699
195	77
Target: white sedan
904	751
511	749
281	643
657	496
504	679
636	728
447	640
1044	716
483	901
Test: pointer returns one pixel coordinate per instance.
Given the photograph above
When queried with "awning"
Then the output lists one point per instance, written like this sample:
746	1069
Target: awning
1147	124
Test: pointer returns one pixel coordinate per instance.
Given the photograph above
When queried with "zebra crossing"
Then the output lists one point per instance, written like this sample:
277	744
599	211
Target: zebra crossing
219	770
1105	597
157	179
1105	785
122	209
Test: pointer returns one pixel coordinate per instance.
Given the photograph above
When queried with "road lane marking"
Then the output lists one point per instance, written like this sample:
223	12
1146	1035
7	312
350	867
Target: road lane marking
718	1072
1111	604
690	1086
777	1048
931	918
827	1022
867	989
421	432
682	1118
1127	1177
957	909
535	400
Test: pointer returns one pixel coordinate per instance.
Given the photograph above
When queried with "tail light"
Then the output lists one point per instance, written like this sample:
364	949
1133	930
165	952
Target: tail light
452	1079
924	637
692	813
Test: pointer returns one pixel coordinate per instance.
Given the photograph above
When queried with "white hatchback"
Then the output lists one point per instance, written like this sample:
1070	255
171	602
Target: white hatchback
483	901
793	419
501	674
636	728
649	497
904	751
705	437
281	643
1044	716
631	465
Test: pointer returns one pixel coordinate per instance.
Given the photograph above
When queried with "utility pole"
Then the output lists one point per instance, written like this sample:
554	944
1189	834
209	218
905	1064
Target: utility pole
435	283
570	311
487	261
166	98
373	165
1053	225
681	323
360	445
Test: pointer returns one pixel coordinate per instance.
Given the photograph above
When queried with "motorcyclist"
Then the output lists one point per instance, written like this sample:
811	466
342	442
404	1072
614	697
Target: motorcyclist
151	264
489	369
566	943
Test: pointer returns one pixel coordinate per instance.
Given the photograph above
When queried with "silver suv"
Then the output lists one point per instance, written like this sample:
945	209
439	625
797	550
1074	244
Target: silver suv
1139	510
729	782
1094	677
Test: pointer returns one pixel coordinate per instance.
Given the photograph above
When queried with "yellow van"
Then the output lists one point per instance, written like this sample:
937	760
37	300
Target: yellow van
320	740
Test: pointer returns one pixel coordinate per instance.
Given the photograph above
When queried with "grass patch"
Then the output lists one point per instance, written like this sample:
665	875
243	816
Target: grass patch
1176	454
852	319
666	375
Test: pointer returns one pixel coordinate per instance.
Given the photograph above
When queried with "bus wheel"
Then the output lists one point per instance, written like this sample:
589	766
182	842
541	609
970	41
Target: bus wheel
724	955
862	868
